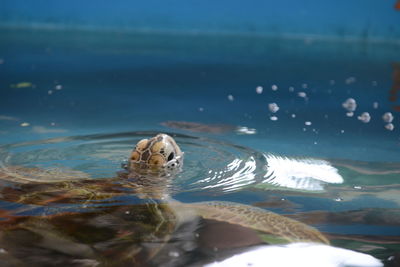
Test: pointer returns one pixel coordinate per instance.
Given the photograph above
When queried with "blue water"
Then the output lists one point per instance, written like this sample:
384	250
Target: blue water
82	83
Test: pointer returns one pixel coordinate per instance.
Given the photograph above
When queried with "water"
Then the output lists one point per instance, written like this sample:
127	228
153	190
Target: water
78	101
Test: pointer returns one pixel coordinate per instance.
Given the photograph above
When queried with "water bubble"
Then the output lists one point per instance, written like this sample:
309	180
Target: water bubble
58	87
387	117
127	212
273	118
350	80
350	114
375	105
304	86
259	89
374	83
2	251
350	105
338	199
315	143
341	131
50	92
364	117
304	129
332	82
274	87
53	124
25	124
201	109
293	115
273	107
357	187
302	94
231	98
389	126
308	123
291	89
245	130
1	61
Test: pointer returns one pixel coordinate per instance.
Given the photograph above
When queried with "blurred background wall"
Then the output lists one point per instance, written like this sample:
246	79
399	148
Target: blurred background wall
361	19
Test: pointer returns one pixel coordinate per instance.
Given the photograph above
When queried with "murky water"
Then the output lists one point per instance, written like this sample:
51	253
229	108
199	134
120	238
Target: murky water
262	122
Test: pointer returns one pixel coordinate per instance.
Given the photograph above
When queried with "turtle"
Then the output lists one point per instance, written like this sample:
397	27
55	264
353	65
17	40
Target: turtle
150	169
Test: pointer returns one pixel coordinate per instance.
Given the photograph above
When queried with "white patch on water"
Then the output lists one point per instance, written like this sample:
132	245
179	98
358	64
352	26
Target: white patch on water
304	174
245	130
299	254
243	173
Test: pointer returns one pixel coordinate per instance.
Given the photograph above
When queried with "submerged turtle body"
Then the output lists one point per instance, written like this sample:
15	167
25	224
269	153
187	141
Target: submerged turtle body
149	171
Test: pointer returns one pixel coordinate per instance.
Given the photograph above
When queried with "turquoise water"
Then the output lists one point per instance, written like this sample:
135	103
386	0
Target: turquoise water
81	100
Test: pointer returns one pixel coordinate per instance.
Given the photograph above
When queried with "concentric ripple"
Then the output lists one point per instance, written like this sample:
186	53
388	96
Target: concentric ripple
208	165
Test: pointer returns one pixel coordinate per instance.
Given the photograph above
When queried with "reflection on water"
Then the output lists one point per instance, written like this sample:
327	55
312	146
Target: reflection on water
301	254
80	211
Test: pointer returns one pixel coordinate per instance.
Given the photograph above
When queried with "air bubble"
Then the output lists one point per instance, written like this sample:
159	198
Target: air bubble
231	98
387	117
273	107
273	118
302	94
291	89
364	117
274	87
259	89
24	124
375	105
389	126
350	105
308	123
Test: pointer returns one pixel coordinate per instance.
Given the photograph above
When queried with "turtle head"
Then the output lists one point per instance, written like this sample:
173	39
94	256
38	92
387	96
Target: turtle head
159	154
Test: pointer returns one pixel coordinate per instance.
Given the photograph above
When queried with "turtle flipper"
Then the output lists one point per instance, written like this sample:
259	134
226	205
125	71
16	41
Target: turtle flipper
257	219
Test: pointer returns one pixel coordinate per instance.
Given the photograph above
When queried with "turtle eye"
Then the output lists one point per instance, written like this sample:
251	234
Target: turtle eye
171	156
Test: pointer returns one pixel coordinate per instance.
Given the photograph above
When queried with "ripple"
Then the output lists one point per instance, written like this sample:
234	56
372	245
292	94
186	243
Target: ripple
210	165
